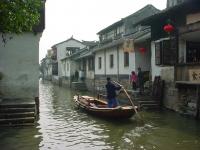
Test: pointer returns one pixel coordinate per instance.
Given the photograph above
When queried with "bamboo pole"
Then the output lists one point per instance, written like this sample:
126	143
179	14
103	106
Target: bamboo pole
140	118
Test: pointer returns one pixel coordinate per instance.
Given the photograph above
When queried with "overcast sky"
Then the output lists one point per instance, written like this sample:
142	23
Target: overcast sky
84	18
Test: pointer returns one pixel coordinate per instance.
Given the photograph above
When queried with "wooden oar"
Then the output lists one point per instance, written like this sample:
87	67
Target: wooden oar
127	95
128	98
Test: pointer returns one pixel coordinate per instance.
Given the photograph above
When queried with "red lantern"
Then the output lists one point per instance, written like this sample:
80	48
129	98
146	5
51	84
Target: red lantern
142	50
168	28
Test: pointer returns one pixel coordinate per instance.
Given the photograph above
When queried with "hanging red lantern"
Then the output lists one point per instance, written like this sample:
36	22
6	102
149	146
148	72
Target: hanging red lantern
168	28
142	50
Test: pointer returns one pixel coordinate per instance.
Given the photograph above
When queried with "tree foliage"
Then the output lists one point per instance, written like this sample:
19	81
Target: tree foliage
17	16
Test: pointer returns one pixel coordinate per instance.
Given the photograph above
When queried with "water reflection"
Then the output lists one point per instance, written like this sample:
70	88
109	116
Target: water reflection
21	138
62	126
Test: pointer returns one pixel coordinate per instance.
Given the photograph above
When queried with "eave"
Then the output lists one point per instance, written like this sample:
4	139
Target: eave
184	8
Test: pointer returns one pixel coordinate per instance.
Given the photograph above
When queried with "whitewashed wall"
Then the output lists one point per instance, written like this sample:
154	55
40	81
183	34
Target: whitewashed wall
156	70
118	62
126	70
48	68
97	70
19	64
68	68
73	67
63	68
48	72
182	50
89	73
113	70
143	60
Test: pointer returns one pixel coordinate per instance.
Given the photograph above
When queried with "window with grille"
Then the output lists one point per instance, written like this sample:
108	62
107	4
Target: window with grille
165	52
126	59
111	61
192	52
99	62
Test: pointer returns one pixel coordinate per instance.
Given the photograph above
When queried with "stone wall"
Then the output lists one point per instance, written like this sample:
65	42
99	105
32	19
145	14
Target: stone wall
180	99
170	97
101	81
187	101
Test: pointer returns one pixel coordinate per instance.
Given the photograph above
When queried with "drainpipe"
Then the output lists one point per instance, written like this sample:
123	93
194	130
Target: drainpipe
105	61
198	102
117	63
93	55
177	54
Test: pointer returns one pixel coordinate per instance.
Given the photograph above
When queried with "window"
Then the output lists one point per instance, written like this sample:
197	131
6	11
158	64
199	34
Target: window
99	63
90	64
126	59
111	61
165	52
72	50
193	52
158	53
118	32
55	68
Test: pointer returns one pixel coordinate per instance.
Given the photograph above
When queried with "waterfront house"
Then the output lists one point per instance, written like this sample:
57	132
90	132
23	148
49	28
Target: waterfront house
54	60
85	63
19	63
66	68
123	47
176	53
46	66
19	75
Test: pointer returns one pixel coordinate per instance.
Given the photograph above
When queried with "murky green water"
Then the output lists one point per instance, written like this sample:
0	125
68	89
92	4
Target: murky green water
62	127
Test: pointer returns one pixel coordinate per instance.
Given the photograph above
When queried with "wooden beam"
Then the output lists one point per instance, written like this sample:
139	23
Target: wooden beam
190	28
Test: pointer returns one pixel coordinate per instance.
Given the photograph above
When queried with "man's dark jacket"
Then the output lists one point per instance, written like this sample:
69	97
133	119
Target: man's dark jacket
111	88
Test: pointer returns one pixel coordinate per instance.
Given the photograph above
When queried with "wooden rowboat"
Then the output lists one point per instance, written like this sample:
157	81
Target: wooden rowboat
98	107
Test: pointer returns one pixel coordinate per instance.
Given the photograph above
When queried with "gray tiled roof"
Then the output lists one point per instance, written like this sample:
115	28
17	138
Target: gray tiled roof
132	19
66	41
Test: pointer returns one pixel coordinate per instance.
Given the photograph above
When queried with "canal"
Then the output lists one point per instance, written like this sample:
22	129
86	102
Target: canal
61	126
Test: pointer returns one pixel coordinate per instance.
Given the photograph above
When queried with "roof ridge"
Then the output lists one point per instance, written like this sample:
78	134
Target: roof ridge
142	9
71	38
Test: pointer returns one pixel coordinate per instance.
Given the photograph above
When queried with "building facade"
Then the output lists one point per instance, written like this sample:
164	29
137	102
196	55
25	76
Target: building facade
67	67
19	64
175	55
123	47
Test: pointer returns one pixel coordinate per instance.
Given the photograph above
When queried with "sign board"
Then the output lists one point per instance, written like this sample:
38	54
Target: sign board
192	18
194	75
128	45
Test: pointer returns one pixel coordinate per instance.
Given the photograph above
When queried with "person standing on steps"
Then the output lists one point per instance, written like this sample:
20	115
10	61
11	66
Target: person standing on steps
111	93
133	80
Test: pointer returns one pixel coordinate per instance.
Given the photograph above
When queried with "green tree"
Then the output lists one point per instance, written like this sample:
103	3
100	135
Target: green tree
17	16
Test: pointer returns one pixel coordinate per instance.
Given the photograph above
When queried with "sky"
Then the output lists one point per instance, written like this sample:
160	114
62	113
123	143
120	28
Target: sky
82	19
